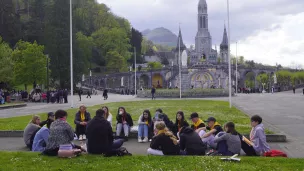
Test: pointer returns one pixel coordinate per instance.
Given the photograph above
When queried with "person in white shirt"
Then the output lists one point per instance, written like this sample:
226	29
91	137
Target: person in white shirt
108	115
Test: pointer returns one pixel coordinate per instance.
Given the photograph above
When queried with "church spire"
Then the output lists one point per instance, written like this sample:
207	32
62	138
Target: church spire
224	43
181	43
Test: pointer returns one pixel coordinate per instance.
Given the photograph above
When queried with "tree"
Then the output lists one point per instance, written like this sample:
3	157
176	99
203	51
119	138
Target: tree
164	61
116	62
241	60
249	80
6	63
30	63
263	78
155	65
135	41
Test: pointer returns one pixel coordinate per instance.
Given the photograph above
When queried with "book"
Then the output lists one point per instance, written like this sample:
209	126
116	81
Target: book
247	141
232	158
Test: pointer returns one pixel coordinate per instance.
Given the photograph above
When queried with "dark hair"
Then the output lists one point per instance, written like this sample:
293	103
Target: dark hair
159	110
60	114
149	116
123	109
256	118
183	117
231	128
108	112
100	113
48	124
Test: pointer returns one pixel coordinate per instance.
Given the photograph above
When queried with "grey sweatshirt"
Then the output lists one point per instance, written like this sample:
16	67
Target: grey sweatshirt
233	142
29	130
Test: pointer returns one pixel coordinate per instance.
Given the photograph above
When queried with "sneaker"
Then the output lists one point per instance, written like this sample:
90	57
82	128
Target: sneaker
150	140
146	139
84	137
140	140
80	138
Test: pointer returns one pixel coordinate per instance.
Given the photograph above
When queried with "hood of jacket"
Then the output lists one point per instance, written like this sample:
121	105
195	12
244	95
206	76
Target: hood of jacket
186	130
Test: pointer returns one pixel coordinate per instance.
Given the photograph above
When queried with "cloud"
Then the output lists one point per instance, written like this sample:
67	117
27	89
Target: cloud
249	20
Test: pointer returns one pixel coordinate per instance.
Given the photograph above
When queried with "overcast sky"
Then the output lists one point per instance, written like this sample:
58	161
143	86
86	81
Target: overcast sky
267	31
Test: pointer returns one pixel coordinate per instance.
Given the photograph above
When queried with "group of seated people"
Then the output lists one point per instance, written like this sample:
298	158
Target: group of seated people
167	138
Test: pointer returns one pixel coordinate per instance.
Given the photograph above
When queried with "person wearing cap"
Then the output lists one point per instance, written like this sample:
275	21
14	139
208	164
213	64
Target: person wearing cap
82	117
50	118
197	122
214	128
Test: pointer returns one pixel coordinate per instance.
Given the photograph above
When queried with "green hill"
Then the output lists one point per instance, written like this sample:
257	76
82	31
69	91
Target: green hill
161	36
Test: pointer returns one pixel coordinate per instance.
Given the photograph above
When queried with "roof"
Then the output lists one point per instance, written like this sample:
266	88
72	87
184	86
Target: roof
180	38
224	43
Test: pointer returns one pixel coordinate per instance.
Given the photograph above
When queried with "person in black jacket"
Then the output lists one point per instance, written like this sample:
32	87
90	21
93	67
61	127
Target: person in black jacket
100	135
190	142
105	94
179	122
164	143
160	116
50	118
82	118
153	90
124	121
197	122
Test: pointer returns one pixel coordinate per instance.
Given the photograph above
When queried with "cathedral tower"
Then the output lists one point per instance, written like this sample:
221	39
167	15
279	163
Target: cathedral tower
203	40
224	47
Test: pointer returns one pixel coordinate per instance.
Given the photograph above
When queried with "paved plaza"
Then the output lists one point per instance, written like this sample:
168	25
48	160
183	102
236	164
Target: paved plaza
281	112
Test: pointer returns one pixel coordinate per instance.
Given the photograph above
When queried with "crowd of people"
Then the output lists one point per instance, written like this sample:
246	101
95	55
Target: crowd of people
55	136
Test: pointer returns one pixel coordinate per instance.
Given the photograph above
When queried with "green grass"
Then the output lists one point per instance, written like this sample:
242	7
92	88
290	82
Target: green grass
217	109
34	161
11	104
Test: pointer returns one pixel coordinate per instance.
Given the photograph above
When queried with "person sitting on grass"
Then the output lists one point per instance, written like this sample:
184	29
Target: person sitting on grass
214	128
61	133
228	143
124	121
179	122
41	137
197	122
30	131
145	126
108	116
160	116
50	118
191	143
164	143
257	136
82	117
100	135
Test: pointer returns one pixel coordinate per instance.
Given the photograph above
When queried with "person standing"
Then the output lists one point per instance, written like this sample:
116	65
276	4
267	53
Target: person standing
48	96
294	90
82	118
105	94
89	93
100	136
65	95
79	93
153	91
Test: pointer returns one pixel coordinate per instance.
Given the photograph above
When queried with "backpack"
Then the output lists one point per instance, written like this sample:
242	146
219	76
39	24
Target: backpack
122	151
275	153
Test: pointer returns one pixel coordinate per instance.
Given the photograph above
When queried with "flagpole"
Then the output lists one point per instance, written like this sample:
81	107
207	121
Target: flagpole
229	60
180	73
135	68
71	55
236	72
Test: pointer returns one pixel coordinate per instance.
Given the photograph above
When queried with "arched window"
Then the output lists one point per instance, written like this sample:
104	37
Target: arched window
201	22
204	22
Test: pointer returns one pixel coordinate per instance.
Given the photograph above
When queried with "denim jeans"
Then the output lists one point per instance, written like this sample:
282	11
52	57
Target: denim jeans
143	130
117	144
222	147
121	126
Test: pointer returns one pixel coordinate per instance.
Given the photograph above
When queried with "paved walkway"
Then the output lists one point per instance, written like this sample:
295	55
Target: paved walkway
281	112
34	108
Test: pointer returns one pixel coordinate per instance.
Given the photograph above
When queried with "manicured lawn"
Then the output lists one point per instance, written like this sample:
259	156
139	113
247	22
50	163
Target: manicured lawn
34	161
11	104
217	109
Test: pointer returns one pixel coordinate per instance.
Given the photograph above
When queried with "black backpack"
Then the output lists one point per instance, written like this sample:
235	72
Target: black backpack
122	151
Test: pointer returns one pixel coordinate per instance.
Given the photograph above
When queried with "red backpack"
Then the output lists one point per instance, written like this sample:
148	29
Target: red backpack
275	153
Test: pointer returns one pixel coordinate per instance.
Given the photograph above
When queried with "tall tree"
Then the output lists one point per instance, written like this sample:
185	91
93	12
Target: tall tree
30	63
135	41
6	63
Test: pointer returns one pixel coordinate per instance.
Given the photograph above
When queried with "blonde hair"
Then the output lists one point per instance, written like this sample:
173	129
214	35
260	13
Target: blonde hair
161	127
34	119
82	106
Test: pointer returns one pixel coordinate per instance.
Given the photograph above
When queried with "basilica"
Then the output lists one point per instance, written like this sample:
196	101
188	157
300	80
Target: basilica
203	52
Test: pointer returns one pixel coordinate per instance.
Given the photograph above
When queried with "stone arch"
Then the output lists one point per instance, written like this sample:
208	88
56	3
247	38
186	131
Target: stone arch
157	80
203	79
144	81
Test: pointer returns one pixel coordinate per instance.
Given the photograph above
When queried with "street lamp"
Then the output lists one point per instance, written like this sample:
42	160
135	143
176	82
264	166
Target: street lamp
47	72
229	60
71	55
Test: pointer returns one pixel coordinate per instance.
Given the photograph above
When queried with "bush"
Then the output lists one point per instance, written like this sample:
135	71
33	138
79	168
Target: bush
174	93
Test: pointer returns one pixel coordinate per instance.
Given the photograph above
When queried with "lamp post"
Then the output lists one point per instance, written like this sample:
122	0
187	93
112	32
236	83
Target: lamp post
229	60
47	72
236	72
71	55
